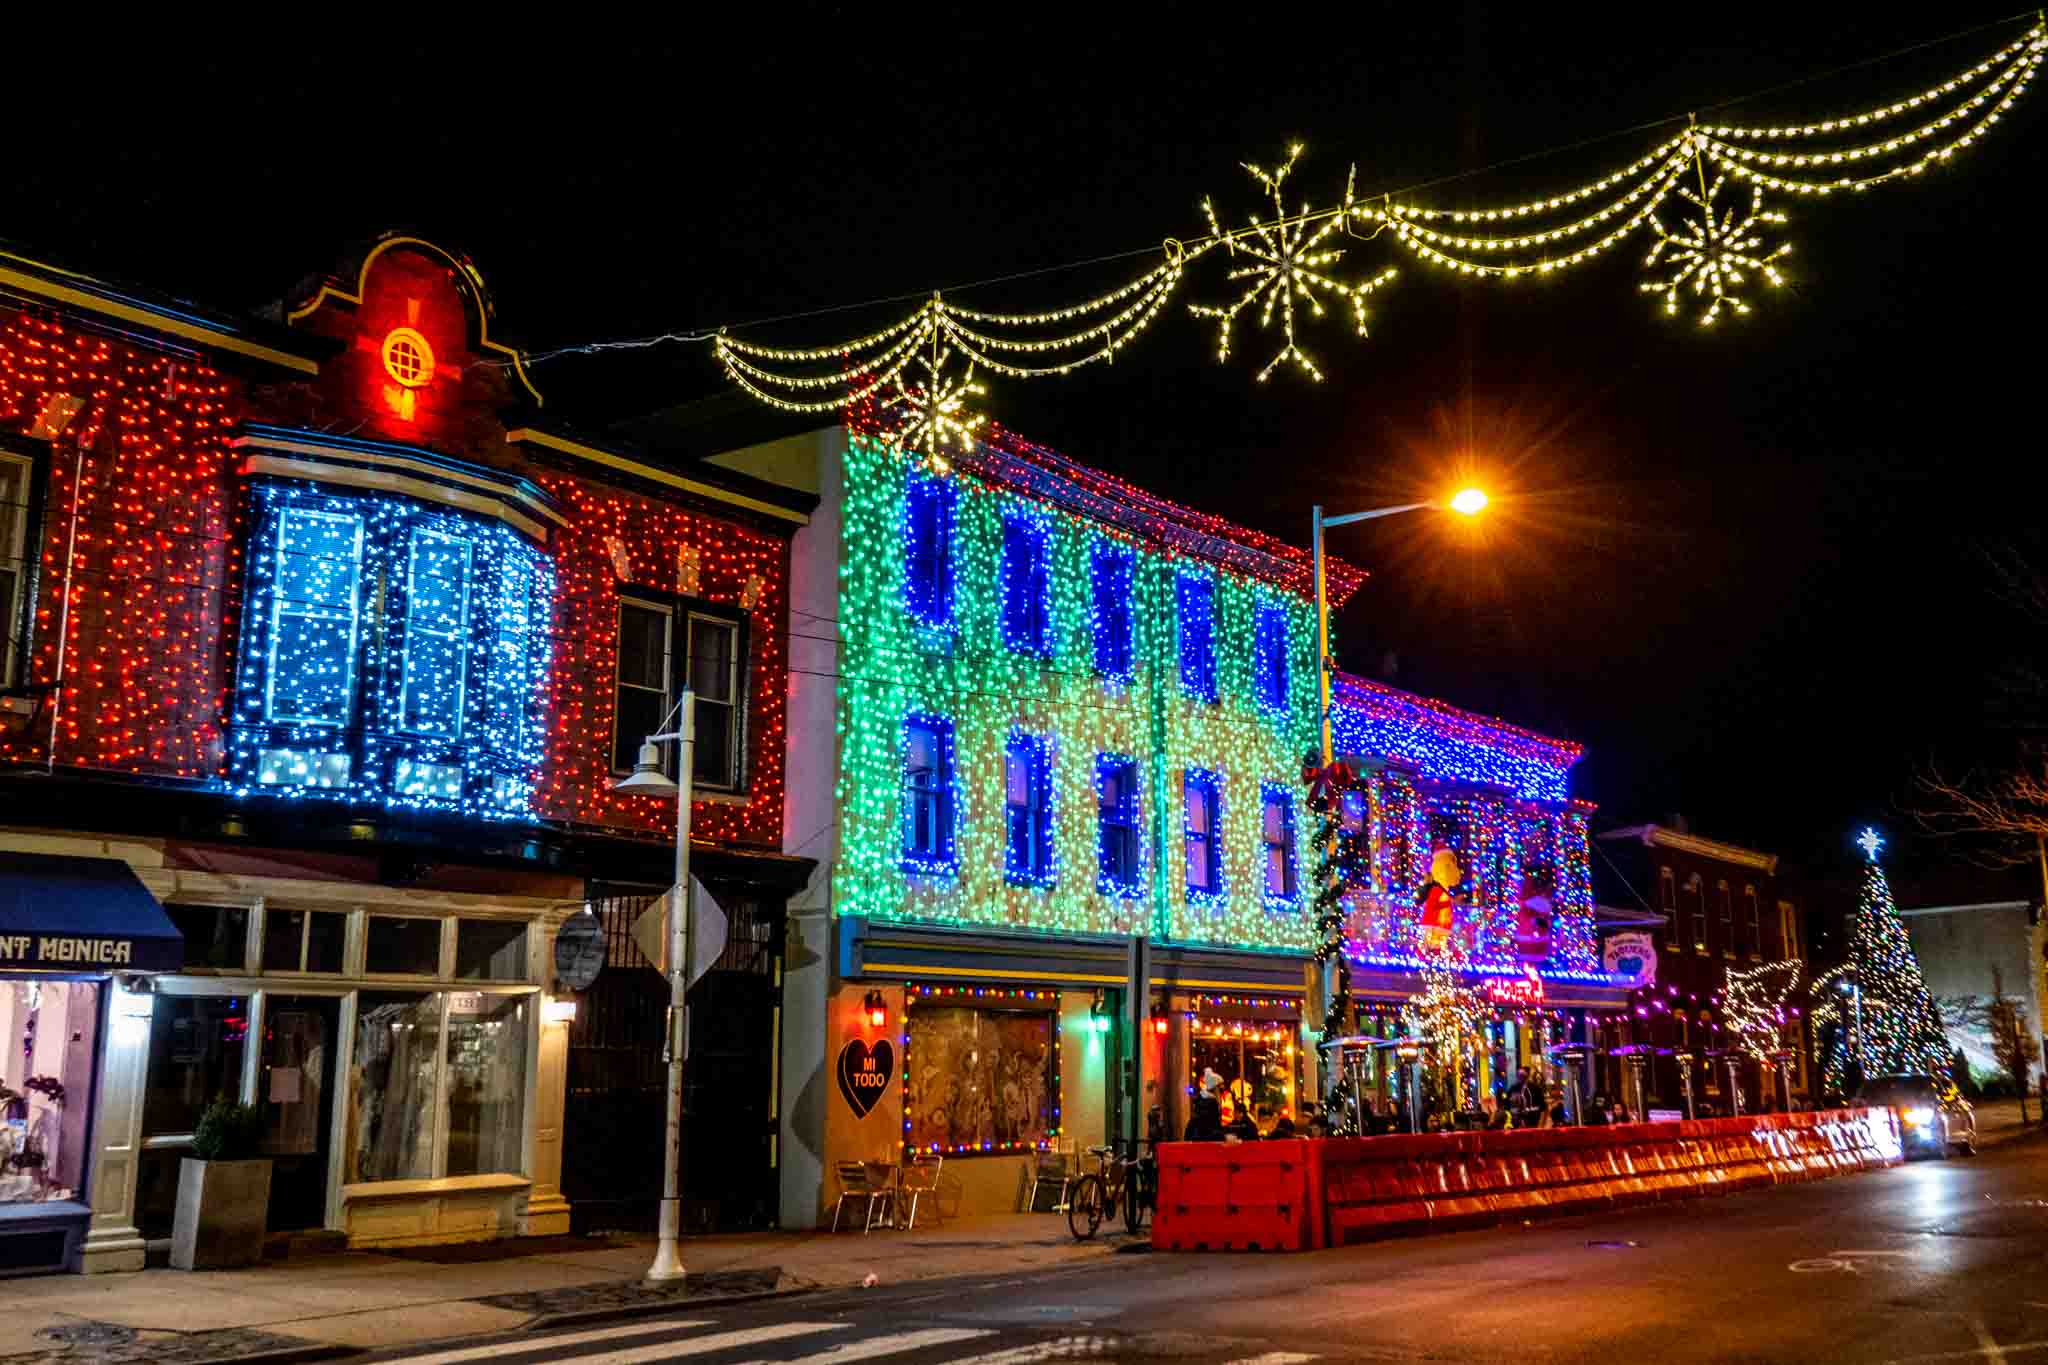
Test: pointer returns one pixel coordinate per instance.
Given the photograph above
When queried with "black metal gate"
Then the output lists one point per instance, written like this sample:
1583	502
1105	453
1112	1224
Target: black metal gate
613	1128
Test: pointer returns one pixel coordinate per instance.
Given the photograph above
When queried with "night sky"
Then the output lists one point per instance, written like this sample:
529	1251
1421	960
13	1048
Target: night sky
1740	567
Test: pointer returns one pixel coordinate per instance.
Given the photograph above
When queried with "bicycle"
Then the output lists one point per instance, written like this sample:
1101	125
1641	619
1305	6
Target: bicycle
1129	1182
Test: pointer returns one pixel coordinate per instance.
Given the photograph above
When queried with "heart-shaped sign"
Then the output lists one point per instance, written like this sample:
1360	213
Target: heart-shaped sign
864	1073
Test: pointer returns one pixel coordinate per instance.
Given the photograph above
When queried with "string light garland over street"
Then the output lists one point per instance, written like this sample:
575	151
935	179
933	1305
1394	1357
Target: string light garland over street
1286	264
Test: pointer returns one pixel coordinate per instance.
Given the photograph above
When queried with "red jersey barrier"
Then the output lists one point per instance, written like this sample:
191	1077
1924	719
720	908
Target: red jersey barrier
1297	1194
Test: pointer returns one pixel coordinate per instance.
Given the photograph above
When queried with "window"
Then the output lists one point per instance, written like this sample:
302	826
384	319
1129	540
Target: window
1195	596
216	937
1353	814
436	663
1109	571
195	1056
313	617
1788	930
49	1038
928	550
1667	902
1202	834
1116	840
1696	895
402	946
486	1082
1726	905
714	649
20	510
1027	786
928	794
991	1080
1269	658
1277	833
303	940
490	950
1752	919
1027	583
394	1087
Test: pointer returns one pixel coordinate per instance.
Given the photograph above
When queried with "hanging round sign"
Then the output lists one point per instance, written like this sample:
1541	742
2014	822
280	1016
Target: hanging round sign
579	951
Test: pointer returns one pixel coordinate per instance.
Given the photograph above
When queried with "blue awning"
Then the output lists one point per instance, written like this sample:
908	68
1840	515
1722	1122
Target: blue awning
81	915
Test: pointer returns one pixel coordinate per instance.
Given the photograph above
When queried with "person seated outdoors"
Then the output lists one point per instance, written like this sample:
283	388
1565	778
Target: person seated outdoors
1205	1112
1497	1114
1242	1127
1283	1127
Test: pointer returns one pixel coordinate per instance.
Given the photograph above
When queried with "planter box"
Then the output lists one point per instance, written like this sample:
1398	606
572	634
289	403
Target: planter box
222	1210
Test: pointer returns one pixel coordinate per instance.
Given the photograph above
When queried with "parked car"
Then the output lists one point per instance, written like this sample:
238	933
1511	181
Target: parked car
1934	1118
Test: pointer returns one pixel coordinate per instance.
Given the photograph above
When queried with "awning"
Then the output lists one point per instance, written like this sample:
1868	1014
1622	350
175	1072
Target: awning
81	915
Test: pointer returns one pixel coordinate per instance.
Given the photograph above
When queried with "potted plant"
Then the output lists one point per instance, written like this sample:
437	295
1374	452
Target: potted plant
223	1191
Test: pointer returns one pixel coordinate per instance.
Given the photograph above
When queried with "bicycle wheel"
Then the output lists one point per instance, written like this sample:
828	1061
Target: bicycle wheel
1138	1201
1084	1207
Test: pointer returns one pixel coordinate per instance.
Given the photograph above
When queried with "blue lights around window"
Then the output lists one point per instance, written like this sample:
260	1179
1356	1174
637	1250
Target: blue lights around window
1195	600
1119	842
1111	613
1026	578
928	796
1202	834
1028	809
928	515
393	653
1269	658
1283	888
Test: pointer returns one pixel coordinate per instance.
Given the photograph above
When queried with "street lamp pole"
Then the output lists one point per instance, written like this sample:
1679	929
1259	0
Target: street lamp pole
649	780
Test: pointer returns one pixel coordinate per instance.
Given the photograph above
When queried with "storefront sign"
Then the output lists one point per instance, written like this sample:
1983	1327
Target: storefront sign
864	1073
1526	989
1631	955
465	1002
45	951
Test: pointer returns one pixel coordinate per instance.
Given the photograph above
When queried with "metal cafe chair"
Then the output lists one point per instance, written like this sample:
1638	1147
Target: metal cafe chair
920	1178
856	1182
1054	1167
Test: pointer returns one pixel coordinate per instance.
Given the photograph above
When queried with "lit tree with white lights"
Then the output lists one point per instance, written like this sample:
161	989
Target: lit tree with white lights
1887	1022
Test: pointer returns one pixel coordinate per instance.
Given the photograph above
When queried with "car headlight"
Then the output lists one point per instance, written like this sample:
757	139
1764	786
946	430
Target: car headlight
1919	1118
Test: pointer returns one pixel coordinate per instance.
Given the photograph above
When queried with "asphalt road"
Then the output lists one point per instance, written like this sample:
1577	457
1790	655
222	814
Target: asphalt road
1932	1262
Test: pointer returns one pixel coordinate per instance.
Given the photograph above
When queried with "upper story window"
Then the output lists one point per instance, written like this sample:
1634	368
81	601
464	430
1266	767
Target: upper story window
665	645
1117	841
1667	903
1195	600
1026	576
928	509
928	794
1752	922
1027	800
1354	816
1724	903
394	649
1110	570
1695	898
1201	803
1277	835
1269	657
21	499
1788	930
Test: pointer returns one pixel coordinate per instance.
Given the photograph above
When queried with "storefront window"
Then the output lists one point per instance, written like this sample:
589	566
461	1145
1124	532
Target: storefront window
399	946
1259	1062
486	1082
393	1086
216	936
195	1058
303	940
981	1080
49	1035
490	950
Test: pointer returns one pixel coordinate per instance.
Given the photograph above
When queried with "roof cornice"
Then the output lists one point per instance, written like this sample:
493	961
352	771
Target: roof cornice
1660	837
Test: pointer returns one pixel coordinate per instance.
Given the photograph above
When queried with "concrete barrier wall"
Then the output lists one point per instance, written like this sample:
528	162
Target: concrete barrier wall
1298	1194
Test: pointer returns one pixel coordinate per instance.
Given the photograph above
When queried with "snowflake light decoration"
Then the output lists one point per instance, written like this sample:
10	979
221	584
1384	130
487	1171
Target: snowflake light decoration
1712	252
932	414
1287	260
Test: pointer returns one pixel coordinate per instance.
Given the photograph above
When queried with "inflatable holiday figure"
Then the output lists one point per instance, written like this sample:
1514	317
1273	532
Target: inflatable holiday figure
1532	922
1438	909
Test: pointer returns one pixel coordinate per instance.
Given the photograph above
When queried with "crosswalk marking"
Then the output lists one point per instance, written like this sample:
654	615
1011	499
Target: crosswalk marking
886	1346
1061	1348
572	1339
717	1341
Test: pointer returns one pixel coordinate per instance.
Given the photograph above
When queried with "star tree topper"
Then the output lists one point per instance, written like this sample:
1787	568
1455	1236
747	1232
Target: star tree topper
1286	262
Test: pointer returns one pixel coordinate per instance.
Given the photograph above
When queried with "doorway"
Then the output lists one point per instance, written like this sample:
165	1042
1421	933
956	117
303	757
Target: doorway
294	1089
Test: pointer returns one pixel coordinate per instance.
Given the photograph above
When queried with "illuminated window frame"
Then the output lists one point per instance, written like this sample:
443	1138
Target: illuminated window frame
682	616
1203	789
417	631
279	611
21	555
1288	895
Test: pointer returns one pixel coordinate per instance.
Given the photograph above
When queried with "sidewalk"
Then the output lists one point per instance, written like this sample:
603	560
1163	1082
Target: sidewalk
1999	1121
286	1309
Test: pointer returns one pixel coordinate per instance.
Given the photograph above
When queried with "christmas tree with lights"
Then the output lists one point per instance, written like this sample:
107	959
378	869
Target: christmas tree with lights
1888	1021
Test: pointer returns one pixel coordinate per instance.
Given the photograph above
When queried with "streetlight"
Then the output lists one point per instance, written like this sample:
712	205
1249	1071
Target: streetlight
648	779
1467	502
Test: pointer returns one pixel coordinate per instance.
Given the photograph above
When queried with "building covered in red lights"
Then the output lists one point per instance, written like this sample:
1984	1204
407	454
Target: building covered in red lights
324	644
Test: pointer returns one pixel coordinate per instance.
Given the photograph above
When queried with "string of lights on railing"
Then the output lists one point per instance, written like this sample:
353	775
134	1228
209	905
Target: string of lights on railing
1711	248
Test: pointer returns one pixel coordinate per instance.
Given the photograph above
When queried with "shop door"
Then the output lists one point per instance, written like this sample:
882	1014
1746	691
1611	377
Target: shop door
295	1089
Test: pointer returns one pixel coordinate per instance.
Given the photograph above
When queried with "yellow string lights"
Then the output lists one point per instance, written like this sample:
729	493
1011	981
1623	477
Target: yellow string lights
1284	269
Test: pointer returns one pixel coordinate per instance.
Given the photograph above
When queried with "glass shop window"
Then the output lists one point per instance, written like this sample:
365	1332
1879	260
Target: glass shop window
1026	580
303	940
486	1083
216	936
1117	841
927	794
402	946
49	1037
314	609
1269	661
394	1087
437	646
928	550
196	1047
1109	571
1201	834
1277	834
1195	596
490	950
